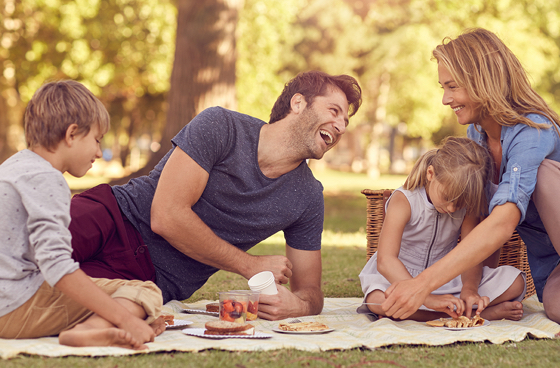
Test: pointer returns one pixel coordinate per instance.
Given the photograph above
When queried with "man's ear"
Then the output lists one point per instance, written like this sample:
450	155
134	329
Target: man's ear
298	103
71	134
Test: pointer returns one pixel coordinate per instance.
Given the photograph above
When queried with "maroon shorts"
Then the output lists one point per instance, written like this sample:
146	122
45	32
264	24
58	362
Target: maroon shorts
104	242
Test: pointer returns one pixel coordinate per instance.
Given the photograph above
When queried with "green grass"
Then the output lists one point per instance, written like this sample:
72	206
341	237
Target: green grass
343	258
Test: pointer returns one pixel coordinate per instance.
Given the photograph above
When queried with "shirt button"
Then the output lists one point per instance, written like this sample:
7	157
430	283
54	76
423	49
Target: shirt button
515	169
141	249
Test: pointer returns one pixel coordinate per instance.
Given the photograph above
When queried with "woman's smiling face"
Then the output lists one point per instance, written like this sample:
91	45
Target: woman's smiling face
466	110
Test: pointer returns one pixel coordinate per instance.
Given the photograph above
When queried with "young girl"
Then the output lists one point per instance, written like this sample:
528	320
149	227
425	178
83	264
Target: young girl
442	198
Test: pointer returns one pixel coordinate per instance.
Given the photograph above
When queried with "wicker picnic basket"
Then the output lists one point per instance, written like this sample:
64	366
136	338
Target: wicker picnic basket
513	252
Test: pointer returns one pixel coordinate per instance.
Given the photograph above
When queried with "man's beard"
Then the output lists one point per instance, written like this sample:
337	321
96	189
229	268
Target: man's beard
304	137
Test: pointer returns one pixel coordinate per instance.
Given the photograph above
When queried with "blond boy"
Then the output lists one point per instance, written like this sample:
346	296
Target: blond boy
42	290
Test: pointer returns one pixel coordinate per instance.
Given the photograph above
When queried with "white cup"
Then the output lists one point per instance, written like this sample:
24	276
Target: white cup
263	282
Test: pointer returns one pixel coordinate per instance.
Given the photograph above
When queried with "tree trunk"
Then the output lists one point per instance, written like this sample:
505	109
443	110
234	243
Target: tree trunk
204	67
6	149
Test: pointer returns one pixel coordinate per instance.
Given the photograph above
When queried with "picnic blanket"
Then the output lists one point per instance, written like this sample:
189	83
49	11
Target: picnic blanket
351	330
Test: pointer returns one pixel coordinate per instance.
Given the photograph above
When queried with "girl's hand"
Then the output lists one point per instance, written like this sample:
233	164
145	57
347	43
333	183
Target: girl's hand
471	297
446	303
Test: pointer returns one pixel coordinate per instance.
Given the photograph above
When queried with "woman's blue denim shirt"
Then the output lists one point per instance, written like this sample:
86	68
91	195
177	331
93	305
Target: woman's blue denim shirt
523	150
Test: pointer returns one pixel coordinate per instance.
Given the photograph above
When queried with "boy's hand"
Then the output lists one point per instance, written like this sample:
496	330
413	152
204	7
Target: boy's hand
471	297
446	303
139	329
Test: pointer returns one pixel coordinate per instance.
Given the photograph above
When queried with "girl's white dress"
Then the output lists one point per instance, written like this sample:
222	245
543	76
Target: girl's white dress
428	237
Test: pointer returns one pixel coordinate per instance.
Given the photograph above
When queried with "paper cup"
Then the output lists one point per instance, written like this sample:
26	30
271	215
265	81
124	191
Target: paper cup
263	282
253	306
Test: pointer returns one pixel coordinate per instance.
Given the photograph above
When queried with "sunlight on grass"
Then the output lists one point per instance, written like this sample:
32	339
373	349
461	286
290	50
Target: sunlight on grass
338	181
330	239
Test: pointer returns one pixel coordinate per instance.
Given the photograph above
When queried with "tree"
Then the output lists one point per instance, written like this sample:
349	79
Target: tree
264	45
203	69
120	49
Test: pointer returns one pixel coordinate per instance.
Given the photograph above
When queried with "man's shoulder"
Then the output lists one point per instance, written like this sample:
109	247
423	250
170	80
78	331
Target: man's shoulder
218	112
311	179
303	177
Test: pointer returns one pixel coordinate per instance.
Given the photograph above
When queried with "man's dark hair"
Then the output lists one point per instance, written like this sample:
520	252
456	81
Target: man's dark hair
315	83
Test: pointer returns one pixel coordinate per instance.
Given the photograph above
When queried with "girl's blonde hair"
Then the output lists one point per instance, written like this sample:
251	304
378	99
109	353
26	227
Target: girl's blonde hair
480	62
462	167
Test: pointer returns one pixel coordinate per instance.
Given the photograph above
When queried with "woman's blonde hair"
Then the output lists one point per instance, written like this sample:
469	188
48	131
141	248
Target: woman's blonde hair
480	62
57	105
462	167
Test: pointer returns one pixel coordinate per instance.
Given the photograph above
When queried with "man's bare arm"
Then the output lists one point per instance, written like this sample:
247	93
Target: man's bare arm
180	186
305	297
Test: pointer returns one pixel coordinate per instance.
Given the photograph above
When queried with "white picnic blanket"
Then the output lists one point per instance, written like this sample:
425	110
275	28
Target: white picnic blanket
351	330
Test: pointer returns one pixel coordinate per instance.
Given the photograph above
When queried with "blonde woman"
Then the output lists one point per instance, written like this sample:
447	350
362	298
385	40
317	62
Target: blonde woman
488	89
442	198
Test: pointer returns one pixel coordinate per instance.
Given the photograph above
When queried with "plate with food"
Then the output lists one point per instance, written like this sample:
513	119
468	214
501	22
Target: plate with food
304	328
178	323
226	330
171	322
212	309
459	324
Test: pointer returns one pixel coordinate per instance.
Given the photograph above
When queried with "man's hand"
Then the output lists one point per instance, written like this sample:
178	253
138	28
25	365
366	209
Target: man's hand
282	305
305	297
471	297
403	298
280	266
446	303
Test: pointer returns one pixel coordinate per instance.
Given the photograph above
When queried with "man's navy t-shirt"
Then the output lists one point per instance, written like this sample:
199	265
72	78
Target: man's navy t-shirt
240	204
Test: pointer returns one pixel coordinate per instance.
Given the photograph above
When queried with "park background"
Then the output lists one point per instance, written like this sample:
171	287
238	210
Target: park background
155	64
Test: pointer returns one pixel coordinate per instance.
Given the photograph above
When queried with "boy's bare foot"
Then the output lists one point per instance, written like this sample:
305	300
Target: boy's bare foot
158	326
508	310
84	335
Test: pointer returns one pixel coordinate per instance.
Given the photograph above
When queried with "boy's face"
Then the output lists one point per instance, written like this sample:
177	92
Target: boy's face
85	150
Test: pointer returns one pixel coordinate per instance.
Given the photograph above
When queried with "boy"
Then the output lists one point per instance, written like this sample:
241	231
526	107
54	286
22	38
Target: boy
42	290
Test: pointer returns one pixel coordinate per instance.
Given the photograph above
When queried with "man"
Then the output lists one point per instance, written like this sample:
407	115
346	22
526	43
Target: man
229	182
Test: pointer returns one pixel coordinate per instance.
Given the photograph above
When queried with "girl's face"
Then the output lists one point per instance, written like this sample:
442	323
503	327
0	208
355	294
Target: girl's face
466	110
436	195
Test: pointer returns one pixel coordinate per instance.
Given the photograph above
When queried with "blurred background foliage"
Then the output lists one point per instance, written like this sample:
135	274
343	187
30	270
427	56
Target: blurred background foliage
132	55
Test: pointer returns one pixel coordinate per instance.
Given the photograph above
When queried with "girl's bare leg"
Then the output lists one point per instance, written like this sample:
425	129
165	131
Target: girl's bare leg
378	297
502	307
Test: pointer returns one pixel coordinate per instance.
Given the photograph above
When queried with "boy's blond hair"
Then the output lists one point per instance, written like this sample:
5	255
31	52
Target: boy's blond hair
462	167
57	105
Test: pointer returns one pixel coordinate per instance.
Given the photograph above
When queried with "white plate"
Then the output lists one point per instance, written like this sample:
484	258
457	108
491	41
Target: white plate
200	311
178	323
486	323
276	329
200	333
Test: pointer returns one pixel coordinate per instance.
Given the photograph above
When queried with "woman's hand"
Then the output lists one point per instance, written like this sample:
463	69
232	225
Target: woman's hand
403	298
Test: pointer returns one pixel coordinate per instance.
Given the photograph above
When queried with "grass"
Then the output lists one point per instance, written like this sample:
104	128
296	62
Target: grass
343	258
